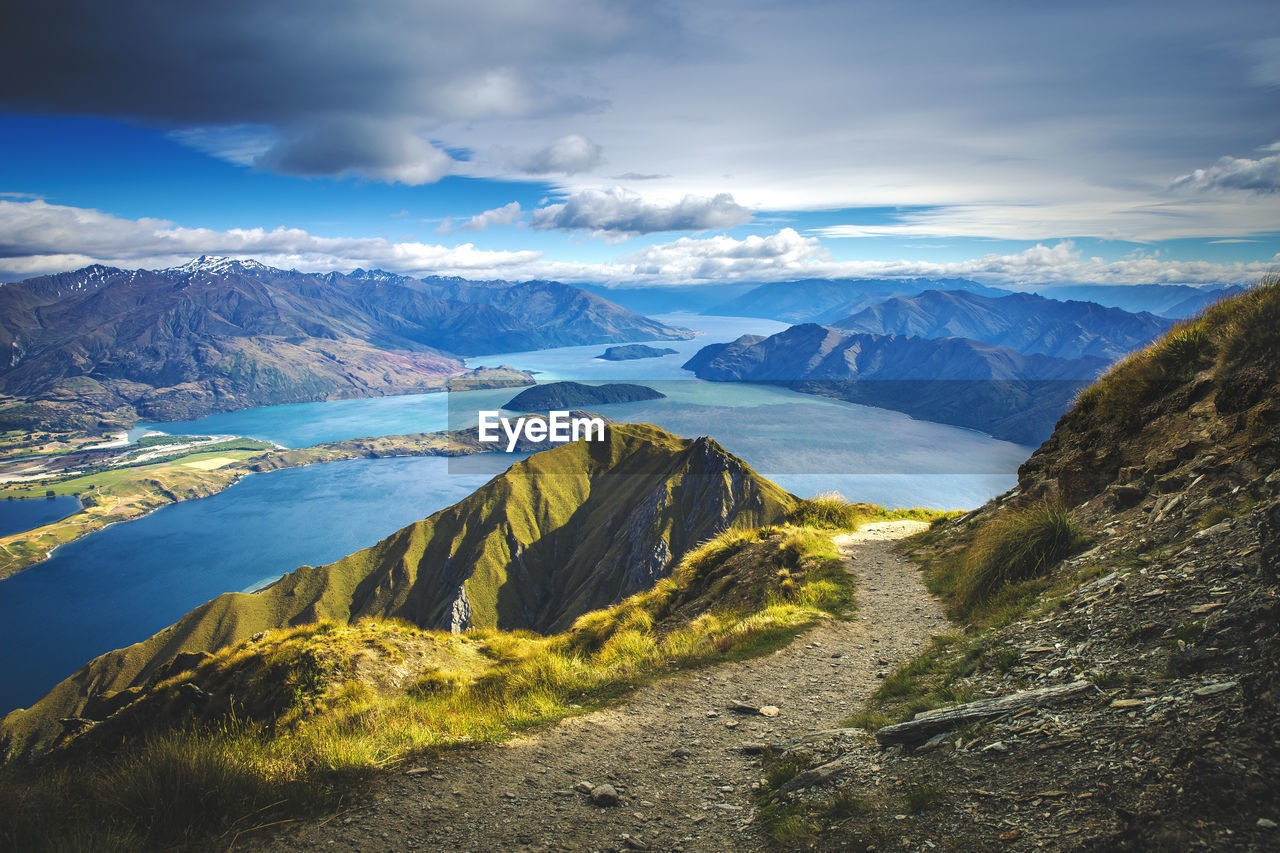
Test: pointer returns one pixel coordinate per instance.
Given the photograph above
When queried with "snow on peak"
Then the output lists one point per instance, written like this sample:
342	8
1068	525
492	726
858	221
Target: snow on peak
216	265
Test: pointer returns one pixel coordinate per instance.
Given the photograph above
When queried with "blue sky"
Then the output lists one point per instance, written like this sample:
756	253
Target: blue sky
649	143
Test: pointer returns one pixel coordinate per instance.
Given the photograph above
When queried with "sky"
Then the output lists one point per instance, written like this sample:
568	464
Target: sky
648	143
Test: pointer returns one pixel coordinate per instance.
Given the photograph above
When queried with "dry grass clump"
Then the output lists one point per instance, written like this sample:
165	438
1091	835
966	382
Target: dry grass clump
1017	546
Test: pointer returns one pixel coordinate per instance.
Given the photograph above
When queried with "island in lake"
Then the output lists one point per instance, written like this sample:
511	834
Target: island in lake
631	352
575	395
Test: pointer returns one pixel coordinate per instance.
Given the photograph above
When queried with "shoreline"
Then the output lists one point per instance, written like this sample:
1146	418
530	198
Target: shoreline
446	444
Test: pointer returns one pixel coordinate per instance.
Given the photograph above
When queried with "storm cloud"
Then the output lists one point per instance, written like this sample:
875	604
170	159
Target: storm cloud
345	88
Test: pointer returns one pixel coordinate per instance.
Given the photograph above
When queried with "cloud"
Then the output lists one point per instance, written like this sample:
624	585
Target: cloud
38	238
1235	173
619	213
568	155
787	255
782	255
505	215
359	148
1082	117
260	82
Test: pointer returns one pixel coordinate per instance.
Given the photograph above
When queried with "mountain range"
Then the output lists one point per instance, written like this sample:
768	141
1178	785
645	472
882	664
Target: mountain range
561	533
956	381
1174	301
821	300
1020	321
218	334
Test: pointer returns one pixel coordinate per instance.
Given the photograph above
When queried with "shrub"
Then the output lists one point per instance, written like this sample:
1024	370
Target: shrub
1020	545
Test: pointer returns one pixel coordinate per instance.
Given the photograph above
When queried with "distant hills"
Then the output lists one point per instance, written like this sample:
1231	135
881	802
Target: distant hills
956	381
564	532
1020	321
663	299
215	334
826	300
1174	301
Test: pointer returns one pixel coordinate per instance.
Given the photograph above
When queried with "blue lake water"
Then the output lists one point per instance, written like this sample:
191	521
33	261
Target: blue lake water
122	584
127	581
807	444
19	515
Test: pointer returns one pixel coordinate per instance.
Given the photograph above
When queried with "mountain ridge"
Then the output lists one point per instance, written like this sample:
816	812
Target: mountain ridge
1024	322
217	334
822	300
955	381
560	533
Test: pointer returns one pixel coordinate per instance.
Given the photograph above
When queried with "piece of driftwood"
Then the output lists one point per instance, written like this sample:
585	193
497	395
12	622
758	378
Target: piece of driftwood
926	724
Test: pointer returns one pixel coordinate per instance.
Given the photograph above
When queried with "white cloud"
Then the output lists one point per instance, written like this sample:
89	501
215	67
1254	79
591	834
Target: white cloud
1236	173
505	215
568	155
619	213
38	238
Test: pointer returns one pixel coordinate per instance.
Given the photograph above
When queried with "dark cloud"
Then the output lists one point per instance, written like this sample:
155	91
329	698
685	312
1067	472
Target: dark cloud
249	61
619	213
290	66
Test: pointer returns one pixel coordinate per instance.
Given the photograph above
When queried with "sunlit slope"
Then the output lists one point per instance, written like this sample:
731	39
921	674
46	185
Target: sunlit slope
566	531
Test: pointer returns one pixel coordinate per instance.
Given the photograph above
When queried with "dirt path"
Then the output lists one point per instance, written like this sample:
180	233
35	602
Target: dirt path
672	750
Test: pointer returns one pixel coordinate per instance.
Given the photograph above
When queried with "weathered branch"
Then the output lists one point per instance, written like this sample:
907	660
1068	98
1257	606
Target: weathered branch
929	723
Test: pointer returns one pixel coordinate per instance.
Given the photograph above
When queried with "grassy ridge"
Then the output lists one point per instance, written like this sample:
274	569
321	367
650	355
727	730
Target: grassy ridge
1236	338
323	704
537	546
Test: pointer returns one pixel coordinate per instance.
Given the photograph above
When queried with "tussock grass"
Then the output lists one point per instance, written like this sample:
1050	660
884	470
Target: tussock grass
1233	334
1017	546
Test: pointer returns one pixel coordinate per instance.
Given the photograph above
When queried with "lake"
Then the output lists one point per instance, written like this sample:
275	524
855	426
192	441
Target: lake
127	581
26	514
120	585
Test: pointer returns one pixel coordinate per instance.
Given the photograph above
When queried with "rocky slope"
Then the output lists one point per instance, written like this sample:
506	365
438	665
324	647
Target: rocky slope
216	334
949	380
563	532
1170	622
1020	321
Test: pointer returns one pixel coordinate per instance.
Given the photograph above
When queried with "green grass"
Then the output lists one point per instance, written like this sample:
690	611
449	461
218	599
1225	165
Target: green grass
831	511
308	719
127	477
